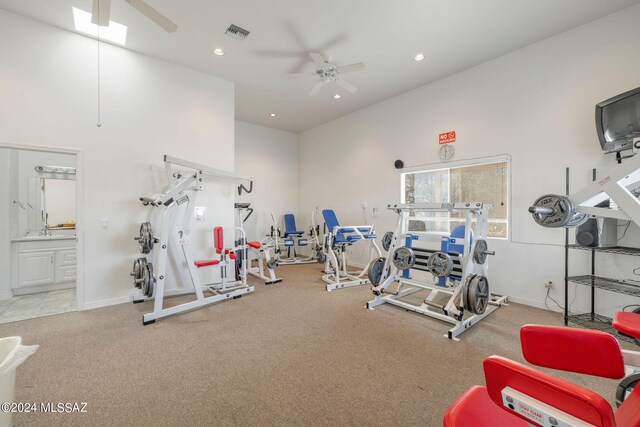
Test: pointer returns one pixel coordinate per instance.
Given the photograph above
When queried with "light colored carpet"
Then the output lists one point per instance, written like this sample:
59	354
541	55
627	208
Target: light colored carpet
287	354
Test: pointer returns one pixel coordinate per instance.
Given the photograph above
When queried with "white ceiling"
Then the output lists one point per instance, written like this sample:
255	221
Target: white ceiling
384	34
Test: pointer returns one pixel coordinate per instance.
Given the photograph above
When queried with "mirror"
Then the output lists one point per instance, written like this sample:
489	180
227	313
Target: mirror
53	198
59	202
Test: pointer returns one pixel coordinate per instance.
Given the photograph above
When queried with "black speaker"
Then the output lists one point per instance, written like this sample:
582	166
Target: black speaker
399	164
600	232
587	234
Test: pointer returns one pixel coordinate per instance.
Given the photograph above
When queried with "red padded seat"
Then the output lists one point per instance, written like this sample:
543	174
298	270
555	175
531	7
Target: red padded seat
255	245
627	323
207	263
474	408
628	414
573	350
567	397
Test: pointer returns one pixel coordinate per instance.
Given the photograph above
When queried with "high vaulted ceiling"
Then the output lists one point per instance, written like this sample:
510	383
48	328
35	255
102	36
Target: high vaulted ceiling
385	35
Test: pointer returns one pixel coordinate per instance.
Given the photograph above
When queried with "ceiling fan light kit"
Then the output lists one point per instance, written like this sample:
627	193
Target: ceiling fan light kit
328	72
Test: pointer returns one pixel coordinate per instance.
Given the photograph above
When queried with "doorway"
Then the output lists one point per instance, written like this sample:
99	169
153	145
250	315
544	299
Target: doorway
38	233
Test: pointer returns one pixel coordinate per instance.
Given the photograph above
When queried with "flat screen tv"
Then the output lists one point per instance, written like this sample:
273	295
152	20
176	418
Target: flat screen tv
618	121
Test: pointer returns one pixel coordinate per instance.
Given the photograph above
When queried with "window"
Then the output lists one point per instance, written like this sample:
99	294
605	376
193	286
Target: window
486	182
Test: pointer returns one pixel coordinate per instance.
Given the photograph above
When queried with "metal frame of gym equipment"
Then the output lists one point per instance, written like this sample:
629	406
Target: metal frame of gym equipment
571	211
472	281
174	242
259	252
289	242
335	270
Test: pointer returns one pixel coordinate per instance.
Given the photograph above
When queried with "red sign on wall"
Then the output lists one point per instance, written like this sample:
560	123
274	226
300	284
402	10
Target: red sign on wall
447	137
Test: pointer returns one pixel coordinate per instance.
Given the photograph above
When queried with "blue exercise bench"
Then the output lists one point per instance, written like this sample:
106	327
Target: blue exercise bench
336	240
292	238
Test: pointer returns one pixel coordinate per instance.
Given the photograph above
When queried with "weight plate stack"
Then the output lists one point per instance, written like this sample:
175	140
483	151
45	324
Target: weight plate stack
145	239
477	290
554	211
148	281
138	271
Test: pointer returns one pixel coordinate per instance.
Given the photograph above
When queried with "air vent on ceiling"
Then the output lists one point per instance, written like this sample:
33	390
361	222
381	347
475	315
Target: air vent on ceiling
236	32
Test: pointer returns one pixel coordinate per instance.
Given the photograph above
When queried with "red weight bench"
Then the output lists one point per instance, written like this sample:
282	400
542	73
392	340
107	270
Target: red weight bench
627	323
218	244
523	394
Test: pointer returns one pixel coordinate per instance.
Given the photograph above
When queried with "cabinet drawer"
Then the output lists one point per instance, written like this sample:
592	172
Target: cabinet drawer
67	257
65	266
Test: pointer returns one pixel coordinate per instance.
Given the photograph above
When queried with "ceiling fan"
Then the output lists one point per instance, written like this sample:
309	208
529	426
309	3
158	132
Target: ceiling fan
102	9
327	72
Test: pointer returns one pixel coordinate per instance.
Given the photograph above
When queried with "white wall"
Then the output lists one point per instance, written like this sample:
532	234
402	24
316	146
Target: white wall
48	84
271	156
535	104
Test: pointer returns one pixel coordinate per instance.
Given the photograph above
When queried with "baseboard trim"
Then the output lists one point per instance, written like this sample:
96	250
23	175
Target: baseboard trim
531	303
107	302
6	295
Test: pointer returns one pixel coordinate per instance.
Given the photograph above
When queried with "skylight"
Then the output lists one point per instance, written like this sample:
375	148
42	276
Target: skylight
115	33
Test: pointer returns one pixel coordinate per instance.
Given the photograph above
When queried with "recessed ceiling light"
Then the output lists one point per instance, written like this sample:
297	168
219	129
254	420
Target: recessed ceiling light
218	51
273	114
419	57
337	96
115	33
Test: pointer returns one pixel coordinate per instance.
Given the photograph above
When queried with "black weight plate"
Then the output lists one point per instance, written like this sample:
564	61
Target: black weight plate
375	270
440	264
404	258
478	294
479	255
386	240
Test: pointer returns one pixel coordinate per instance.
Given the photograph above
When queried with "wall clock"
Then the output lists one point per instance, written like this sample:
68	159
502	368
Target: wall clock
446	151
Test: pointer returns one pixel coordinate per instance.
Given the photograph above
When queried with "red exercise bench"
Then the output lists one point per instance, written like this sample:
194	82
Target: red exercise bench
218	244
520	393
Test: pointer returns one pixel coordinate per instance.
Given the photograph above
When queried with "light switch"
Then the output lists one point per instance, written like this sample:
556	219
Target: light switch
199	213
376	212
104	222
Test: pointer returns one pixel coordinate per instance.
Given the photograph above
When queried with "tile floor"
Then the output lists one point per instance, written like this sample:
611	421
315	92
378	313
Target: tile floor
37	305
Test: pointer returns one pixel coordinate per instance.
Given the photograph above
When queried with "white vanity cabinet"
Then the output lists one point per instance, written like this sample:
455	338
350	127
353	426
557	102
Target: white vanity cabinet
36	268
43	264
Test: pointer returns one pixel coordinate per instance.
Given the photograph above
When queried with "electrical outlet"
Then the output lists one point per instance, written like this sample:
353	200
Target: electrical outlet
549	284
376	212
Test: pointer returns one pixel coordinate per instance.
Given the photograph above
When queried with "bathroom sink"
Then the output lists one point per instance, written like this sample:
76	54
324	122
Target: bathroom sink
52	237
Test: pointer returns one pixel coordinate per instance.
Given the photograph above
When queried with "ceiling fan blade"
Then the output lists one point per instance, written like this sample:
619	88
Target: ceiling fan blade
316	88
100	12
153	15
351	68
346	85
317	59
294	75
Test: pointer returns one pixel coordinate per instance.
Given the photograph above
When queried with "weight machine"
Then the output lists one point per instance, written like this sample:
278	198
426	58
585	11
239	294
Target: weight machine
292	237
259	252
620	185
467	286
336	241
174	242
